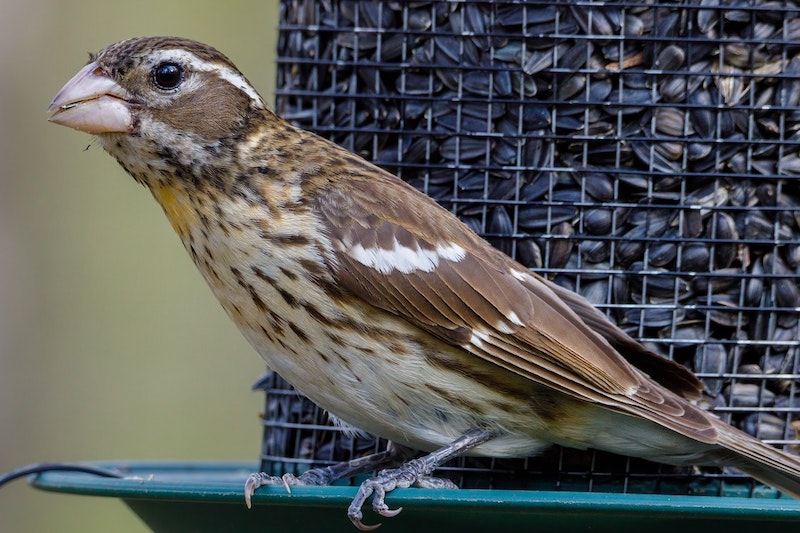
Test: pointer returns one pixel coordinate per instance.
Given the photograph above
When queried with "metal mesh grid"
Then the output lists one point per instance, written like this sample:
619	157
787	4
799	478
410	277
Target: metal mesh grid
643	154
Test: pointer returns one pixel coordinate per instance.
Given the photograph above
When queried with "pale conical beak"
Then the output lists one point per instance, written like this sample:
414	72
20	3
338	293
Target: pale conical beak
92	102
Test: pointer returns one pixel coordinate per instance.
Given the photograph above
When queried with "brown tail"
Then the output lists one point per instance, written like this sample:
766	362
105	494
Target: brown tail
758	460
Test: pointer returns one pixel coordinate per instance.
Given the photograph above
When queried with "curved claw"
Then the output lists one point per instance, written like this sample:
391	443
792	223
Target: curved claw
360	525
253	482
288	480
388	513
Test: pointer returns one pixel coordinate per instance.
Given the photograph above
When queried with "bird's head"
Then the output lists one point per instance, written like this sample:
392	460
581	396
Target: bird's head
159	104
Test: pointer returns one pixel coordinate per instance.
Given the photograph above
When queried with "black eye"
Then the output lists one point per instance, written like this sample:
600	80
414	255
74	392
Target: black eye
167	75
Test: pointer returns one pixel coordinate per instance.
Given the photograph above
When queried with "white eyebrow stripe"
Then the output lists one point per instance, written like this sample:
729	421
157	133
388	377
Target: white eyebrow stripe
228	74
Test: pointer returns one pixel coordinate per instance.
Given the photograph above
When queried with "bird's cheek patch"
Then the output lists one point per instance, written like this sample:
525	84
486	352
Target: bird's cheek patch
212	113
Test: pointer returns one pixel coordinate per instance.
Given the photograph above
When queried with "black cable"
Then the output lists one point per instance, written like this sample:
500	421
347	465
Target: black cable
56	467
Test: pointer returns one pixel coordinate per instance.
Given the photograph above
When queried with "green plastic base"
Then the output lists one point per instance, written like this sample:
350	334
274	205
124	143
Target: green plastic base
174	497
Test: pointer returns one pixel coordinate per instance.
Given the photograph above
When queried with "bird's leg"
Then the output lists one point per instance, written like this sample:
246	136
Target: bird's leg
411	472
325	475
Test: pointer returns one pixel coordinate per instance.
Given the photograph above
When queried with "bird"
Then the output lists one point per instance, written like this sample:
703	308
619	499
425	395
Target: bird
374	301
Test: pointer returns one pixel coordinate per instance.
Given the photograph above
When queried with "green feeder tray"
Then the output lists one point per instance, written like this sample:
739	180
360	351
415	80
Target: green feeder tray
199	496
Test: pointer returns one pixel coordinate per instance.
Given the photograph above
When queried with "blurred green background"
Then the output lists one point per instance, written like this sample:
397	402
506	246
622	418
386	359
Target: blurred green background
111	346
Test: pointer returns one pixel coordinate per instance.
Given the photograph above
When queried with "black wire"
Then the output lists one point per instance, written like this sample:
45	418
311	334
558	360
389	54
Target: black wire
56	467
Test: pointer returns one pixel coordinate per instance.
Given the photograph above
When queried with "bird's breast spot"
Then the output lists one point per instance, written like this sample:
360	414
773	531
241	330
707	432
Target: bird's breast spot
405	259
178	210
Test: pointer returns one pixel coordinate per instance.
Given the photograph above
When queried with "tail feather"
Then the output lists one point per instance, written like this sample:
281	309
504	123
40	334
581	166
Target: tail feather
780	479
758	460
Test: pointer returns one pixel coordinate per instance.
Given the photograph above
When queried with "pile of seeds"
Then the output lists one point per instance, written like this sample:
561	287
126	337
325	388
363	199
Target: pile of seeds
645	154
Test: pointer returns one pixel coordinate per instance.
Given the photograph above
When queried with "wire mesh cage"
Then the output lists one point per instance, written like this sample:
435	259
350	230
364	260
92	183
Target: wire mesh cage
642	153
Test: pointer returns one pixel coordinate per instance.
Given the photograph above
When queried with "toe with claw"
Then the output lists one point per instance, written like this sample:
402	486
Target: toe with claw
260	479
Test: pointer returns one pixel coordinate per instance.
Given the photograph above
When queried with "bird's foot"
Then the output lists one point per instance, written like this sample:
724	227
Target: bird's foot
414	472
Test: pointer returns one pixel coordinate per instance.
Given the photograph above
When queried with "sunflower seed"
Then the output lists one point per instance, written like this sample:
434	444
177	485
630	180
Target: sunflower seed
529	253
500	224
539	217
596	292
662	253
670	120
560	249
463	148
710	362
764	426
595	251
724	233
598	221
749	395
694	257
670	58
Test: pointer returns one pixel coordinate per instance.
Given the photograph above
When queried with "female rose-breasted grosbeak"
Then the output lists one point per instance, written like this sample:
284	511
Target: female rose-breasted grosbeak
376	303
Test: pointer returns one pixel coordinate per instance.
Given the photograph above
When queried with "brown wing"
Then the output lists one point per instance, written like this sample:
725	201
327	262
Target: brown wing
672	375
398	250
